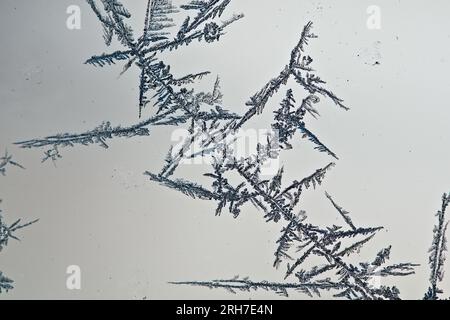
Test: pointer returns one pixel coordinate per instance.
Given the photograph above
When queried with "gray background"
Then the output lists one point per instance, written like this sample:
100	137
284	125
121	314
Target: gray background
130	236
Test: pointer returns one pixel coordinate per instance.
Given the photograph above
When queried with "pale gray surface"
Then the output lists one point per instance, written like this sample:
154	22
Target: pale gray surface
131	236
